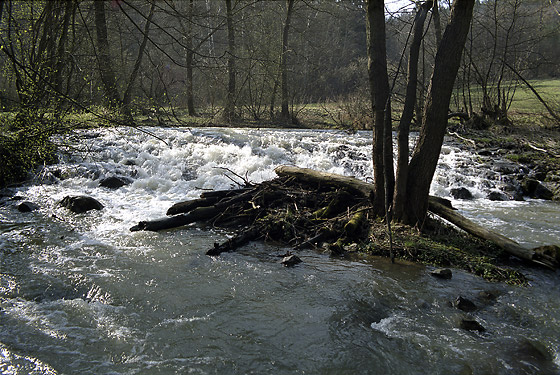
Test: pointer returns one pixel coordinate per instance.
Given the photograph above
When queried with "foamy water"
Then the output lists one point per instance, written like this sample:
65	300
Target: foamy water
82	294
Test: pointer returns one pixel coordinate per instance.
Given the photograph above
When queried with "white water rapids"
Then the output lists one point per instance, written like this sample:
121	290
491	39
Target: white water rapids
80	293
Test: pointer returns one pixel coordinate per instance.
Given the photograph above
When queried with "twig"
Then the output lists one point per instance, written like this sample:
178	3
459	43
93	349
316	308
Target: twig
244	179
463	138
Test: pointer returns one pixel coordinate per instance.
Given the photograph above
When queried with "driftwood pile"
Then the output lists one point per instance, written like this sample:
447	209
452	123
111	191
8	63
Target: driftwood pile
307	208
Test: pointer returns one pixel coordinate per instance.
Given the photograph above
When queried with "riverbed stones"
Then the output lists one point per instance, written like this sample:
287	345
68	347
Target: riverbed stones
442	273
27	206
80	203
461	193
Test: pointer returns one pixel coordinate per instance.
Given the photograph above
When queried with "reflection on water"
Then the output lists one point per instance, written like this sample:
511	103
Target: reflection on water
82	294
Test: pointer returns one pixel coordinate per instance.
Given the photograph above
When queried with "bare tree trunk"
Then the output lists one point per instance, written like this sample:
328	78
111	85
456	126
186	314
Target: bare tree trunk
283	61
379	88
103	57
229	110
137	63
437	21
408	112
190	54
434	121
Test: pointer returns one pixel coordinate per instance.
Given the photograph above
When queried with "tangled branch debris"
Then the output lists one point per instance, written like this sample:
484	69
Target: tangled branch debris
304	208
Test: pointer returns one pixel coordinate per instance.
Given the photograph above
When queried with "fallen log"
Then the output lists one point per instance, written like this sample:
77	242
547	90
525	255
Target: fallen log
329	179
504	243
198	214
187	206
234	242
436	206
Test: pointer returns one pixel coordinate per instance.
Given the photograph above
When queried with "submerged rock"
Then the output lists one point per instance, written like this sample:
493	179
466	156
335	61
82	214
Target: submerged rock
464	304
471	325
114	182
27	206
81	203
461	193
442	273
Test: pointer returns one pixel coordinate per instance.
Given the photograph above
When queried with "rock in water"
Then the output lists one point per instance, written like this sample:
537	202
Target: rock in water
461	193
464	304
114	182
27	206
81	203
442	273
472	325
291	260
497	196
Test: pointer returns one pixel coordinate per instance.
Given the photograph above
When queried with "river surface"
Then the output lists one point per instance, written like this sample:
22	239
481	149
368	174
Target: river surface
81	294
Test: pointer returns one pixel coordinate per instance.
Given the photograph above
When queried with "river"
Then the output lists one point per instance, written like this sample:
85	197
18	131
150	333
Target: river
80	293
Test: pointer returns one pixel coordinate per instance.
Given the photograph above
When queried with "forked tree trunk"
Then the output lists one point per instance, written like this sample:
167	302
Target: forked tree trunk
379	88
434	121
399	200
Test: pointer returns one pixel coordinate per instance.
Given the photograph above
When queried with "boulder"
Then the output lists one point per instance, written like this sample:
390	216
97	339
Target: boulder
534	189
114	182
461	193
81	203
497	196
27	206
442	273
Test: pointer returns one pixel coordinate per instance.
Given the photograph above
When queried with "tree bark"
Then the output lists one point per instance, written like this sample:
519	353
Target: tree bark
229	110
399	199
137	63
103	56
284	61
437	22
434	121
189	62
380	101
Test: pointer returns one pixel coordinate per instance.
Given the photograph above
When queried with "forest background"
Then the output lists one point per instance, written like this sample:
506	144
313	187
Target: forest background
70	64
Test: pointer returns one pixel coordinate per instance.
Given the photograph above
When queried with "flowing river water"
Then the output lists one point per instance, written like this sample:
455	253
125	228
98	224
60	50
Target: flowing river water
80	293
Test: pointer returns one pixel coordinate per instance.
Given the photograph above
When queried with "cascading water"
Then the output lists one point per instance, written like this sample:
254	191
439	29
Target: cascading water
79	293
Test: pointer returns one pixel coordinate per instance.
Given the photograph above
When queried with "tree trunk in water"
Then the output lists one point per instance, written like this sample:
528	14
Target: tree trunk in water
434	121
229	110
504	243
103	57
408	112
284	62
379	88
190	54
